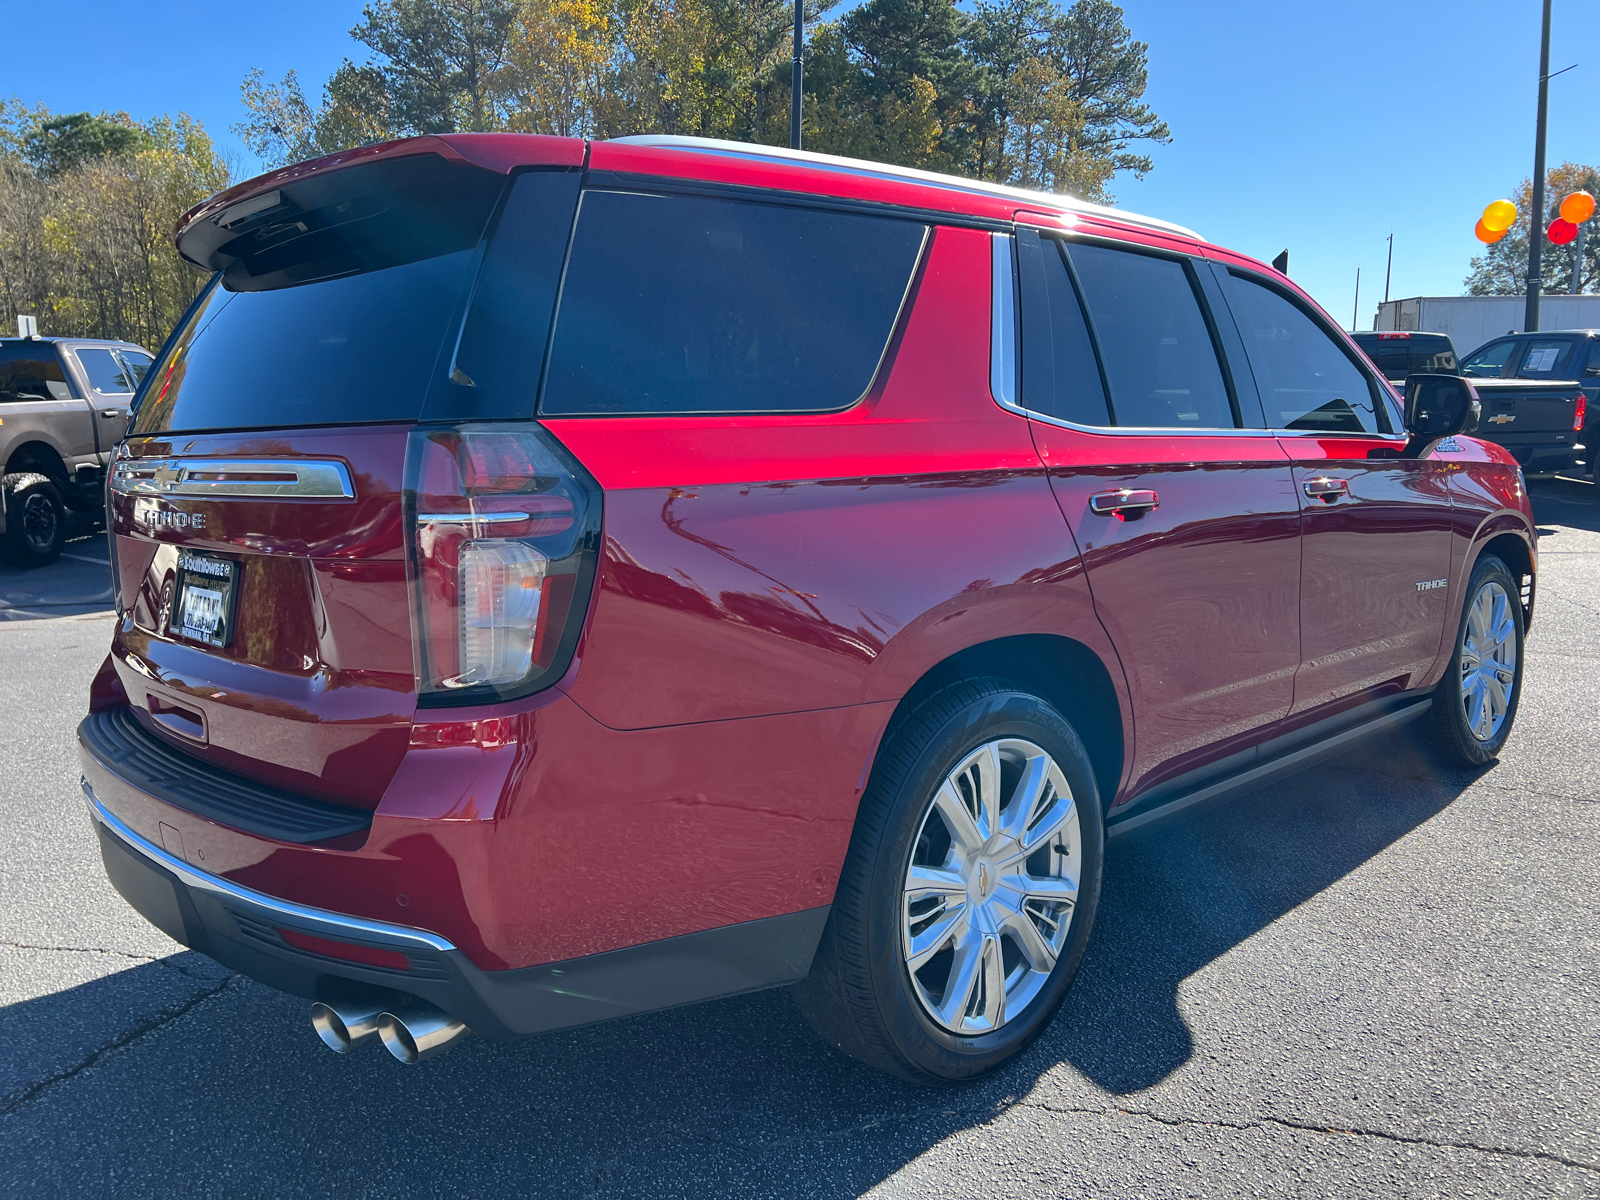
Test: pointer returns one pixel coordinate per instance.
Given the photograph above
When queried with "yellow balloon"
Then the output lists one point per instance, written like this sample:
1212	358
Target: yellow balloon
1499	216
1577	208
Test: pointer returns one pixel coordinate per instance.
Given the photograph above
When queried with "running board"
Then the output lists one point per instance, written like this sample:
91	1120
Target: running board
1267	772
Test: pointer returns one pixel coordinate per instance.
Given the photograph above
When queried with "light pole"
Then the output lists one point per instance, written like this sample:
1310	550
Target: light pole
1530	317
798	78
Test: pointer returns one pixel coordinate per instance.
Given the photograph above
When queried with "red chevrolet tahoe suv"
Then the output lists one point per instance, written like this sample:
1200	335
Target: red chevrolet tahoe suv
560	580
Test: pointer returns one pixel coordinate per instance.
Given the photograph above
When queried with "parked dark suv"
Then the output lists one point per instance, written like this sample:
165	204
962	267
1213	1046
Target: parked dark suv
561	580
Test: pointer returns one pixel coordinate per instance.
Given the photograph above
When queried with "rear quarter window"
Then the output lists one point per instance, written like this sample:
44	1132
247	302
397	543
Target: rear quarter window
688	304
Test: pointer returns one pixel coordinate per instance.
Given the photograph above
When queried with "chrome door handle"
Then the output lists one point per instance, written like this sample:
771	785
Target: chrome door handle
1127	504
1328	491
112	412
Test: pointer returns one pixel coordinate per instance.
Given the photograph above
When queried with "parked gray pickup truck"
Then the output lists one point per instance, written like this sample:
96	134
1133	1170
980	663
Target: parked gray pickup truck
63	406
1540	394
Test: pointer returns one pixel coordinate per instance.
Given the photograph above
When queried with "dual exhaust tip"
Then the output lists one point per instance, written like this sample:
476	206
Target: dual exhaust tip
410	1029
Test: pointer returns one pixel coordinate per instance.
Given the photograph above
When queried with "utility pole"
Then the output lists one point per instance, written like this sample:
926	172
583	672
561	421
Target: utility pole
1355	309
1577	261
798	77
1388	270
1530	318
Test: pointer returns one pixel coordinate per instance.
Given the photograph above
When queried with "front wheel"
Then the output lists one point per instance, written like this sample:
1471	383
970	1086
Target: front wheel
969	891
1475	704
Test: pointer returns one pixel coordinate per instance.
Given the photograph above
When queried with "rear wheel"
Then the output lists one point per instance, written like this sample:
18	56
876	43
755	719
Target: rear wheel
969	890
36	519
1475	704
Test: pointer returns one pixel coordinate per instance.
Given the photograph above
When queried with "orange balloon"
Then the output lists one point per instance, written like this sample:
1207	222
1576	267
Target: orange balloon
1577	208
1499	216
1488	236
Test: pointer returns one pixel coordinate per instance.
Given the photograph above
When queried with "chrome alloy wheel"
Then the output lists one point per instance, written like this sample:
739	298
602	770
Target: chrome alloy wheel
991	886
1488	661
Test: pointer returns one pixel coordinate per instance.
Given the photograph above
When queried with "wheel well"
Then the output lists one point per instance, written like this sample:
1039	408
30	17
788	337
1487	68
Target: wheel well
1513	551
1066	673
39	457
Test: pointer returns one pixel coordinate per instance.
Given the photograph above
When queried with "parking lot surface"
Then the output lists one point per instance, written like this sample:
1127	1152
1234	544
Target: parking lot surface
1378	978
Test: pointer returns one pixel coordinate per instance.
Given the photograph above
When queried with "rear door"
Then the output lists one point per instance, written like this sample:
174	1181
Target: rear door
1182	506
1375	546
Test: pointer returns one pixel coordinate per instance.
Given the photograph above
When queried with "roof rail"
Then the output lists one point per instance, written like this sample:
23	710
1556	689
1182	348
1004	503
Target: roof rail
856	166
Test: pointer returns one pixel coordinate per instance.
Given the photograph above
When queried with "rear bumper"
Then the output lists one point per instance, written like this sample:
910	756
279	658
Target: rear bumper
251	932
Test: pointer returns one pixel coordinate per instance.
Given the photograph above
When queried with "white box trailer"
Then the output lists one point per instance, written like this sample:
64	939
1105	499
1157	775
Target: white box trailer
1470	321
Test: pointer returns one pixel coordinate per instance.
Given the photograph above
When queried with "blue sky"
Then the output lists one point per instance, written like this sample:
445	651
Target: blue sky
1316	127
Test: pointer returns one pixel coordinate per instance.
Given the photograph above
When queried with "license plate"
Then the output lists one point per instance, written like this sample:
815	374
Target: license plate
202	599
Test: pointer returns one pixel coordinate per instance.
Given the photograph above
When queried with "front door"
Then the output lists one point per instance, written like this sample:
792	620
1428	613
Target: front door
1375	560
1186	520
111	388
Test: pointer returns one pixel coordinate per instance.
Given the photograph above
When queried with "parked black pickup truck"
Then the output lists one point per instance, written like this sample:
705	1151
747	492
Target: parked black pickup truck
1539	421
1529	384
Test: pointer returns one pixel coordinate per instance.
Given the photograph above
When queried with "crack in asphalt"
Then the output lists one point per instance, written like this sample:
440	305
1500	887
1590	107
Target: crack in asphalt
1311	1127
160	962
14	1100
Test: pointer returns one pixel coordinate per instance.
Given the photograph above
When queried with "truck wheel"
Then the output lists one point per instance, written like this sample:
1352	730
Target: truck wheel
36	519
968	892
1475	704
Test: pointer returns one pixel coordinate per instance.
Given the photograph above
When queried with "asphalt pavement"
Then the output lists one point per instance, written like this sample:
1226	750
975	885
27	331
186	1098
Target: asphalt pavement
1378	978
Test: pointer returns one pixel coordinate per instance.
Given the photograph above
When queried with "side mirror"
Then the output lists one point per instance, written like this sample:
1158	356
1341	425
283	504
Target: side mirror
1438	406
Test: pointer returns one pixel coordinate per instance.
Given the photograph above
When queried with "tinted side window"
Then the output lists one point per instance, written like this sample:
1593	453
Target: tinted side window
504	338
105	372
1307	381
680	304
31	371
1060	374
1548	358
1490	362
1157	350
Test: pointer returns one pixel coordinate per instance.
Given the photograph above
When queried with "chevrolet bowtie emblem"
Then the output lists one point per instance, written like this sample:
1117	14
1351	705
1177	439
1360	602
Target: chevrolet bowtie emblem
168	474
1501	419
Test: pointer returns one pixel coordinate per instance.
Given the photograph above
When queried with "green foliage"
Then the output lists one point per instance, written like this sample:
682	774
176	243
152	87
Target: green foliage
61	143
87	208
1018	91
1502	269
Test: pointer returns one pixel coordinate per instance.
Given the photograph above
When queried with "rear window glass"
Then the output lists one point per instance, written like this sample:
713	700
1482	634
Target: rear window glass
335	294
1306	379
1399	357
31	371
106	372
681	304
1158	354
343	351
1549	359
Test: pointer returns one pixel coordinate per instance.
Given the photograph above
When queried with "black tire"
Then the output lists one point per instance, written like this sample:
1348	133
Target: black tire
859	995
36	519
1453	730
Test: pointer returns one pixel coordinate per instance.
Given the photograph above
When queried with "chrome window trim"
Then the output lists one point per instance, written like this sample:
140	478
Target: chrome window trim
336	924
1003	325
314	479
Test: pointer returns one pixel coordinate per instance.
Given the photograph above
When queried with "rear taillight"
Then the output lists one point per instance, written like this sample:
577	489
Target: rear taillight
1578	409
504	533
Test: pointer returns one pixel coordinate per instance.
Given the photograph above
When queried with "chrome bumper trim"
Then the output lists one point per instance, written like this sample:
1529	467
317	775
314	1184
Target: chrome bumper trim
312	919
